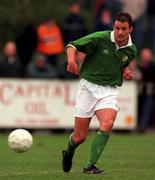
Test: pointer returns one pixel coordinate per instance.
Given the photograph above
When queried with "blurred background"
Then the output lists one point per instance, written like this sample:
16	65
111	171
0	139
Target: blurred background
36	92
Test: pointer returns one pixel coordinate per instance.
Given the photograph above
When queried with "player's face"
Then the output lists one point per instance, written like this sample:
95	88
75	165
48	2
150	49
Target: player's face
121	32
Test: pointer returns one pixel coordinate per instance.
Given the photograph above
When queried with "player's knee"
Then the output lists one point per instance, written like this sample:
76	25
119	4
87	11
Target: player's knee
107	125
79	139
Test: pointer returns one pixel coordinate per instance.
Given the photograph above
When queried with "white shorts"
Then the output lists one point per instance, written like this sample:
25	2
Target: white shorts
92	97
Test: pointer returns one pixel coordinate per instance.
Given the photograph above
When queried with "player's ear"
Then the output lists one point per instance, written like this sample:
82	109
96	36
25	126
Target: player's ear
131	29
113	26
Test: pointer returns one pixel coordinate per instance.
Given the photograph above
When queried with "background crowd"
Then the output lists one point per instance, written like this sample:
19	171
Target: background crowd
38	50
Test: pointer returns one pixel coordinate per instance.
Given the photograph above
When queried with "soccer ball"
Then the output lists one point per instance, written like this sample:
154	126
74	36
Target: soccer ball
20	140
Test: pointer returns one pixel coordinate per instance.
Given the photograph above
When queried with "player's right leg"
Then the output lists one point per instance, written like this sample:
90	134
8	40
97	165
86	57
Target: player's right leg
78	137
84	111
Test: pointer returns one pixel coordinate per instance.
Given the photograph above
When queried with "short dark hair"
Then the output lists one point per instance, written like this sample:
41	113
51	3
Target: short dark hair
124	17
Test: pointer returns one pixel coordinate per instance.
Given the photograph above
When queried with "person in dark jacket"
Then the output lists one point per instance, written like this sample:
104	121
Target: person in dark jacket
10	65
74	25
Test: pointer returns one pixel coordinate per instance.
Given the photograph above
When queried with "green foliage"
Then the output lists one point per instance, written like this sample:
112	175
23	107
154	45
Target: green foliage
15	14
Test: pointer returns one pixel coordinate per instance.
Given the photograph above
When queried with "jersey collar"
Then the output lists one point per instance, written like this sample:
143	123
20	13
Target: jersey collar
113	40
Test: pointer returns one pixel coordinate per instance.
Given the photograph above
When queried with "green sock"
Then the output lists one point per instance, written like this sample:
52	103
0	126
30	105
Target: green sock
97	148
71	146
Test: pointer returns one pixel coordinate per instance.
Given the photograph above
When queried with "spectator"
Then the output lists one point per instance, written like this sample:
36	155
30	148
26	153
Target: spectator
74	25
26	45
151	22
113	5
99	6
147	68
50	41
137	9
39	68
104	22
9	62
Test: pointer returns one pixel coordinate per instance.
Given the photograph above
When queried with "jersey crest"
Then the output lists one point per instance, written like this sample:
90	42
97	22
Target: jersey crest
125	59
105	51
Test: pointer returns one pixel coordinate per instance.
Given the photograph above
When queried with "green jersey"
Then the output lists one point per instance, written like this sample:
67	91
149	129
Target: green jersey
104	60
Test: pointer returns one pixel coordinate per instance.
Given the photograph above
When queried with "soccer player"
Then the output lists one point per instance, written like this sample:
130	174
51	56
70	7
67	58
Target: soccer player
108	53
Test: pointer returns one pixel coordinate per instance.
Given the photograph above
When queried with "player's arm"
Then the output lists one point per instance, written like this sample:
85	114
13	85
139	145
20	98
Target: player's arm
84	45
72	66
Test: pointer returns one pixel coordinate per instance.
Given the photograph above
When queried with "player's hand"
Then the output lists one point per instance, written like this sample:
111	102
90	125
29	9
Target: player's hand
72	67
127	74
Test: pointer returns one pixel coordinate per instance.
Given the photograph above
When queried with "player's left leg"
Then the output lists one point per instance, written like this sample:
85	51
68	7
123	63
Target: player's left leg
106	119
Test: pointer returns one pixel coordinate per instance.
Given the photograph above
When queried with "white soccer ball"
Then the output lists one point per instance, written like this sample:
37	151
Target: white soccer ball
20	140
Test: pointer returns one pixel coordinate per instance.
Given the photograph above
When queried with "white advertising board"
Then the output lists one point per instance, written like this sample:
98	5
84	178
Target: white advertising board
51	104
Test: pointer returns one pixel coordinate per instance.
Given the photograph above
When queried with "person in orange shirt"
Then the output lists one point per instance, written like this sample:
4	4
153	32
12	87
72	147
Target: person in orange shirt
50	41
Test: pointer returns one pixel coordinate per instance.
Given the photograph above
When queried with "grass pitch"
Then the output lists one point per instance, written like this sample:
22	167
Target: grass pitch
126	157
